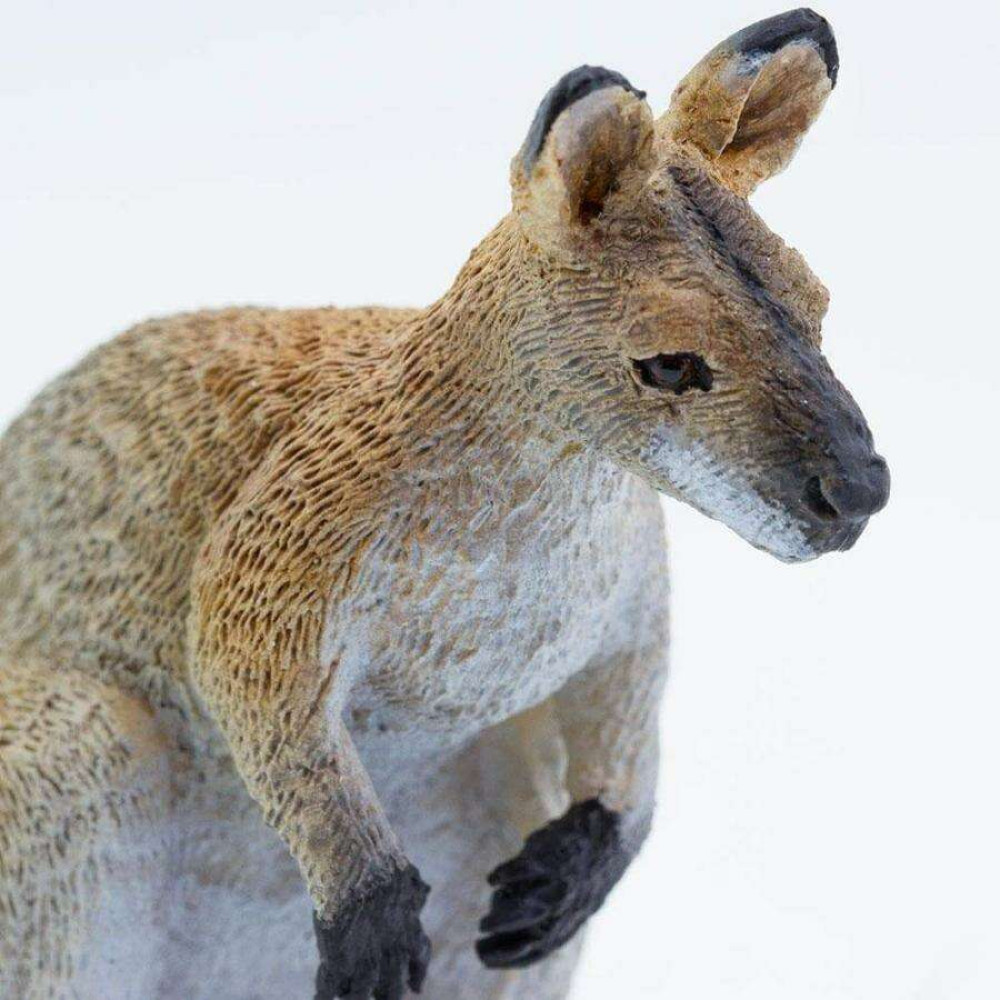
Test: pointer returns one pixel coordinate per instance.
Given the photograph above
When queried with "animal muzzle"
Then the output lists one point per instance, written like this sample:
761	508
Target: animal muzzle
838	480
840	497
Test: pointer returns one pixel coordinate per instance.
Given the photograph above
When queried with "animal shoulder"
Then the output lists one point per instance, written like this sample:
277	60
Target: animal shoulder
158	431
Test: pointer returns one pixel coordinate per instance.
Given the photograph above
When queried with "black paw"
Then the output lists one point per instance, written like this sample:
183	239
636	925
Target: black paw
375	947
548	891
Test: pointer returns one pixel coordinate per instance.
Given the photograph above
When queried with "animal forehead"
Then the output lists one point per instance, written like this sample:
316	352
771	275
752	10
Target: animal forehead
694	204
710	231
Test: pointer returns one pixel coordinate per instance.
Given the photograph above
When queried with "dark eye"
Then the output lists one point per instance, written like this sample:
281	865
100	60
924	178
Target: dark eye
674	372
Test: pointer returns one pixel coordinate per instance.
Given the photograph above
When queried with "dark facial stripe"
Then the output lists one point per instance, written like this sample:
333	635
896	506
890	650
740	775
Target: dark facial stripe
688	182
573	87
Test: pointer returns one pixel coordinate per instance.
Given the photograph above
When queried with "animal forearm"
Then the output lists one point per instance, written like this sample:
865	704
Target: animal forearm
320	800
609	721
304	772
568	865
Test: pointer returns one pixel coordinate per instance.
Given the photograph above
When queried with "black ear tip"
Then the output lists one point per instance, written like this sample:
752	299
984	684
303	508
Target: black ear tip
572	87
771	34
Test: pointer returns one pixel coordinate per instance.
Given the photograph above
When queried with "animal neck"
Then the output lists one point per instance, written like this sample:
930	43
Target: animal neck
461	342
469	417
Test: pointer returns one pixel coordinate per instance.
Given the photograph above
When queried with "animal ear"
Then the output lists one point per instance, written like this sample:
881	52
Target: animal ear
591	136
749	102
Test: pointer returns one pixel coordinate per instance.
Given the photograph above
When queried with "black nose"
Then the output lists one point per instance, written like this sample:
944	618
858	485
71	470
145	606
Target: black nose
849	495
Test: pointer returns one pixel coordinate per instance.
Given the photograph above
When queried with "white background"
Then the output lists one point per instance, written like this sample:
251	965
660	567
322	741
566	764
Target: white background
829	824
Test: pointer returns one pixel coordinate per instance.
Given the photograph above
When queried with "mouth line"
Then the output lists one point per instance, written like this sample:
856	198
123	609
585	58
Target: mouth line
851	534
840	539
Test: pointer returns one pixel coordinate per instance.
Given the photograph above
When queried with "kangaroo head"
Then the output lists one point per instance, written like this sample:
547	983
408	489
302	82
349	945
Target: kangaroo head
668	326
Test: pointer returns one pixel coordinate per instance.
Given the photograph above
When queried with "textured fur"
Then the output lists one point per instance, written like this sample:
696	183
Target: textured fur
293	600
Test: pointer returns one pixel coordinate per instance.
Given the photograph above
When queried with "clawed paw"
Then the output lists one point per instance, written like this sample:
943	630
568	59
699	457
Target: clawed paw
545	894
375	947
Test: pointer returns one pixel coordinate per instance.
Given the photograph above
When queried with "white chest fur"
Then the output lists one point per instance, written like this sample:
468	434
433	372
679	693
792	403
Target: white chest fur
489	592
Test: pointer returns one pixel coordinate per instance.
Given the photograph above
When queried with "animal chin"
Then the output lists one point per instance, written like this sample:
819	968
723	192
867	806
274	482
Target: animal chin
689	471
772	531
786	553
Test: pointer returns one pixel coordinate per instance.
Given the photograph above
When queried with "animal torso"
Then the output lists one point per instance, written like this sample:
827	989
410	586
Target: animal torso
115	475
112	478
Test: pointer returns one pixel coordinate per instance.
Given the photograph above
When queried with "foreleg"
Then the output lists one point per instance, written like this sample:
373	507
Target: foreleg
608	719
261	596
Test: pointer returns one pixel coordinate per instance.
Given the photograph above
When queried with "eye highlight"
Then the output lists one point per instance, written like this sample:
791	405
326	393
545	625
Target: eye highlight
674	373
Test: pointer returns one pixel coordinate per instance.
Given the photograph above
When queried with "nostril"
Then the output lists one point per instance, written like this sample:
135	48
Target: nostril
818	502
853	497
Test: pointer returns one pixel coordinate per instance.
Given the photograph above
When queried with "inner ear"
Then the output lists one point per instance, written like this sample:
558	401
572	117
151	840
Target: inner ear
783	101
749	102
592	132
600	182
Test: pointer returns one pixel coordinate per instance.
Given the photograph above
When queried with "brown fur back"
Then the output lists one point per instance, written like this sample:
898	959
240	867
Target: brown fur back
114	473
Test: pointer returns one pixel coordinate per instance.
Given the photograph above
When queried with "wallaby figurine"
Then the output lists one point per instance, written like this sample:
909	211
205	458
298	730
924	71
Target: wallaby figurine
349	603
